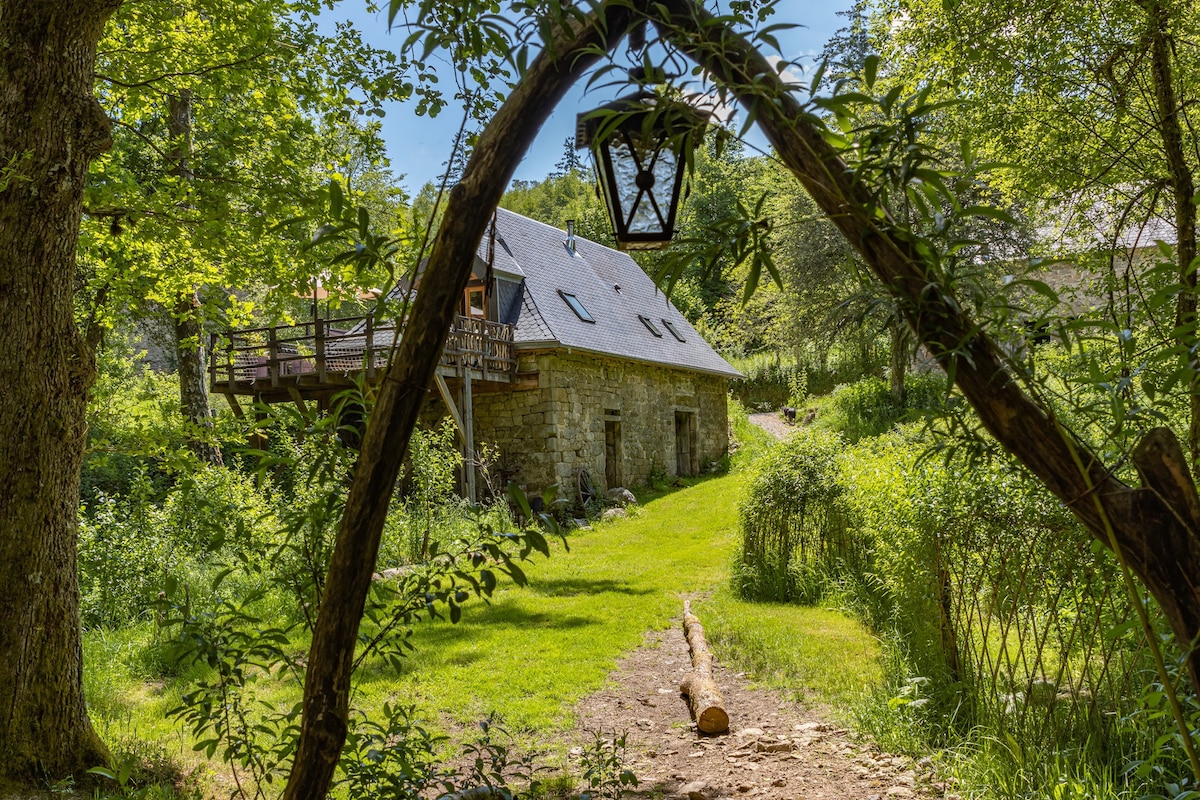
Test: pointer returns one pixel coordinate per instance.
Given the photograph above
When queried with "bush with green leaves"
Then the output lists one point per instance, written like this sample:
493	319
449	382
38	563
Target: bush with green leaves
124	556
866	408
794	537
244	642
1002	618
131	546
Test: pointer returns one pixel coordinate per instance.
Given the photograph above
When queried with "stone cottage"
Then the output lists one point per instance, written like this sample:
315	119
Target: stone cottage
610	377
564	356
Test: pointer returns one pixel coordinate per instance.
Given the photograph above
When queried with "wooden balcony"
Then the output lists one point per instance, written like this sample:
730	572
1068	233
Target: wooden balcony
315	359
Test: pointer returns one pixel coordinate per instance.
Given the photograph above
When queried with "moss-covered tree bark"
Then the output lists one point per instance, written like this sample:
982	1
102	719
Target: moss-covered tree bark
50	129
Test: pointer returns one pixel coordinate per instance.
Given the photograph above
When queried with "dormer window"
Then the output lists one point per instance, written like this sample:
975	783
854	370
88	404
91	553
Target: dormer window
674	331
475	301
576	306
650	326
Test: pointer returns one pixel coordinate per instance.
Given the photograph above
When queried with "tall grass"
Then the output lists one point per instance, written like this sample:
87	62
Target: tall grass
1002	621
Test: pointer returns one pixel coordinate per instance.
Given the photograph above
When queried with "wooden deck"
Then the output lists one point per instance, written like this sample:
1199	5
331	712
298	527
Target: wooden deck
313	360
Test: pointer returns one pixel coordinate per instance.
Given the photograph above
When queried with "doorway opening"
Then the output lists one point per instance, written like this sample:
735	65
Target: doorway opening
612	449
686	457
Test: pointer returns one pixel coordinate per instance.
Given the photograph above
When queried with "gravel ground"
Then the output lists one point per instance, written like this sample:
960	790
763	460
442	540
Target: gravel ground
773	423
775	749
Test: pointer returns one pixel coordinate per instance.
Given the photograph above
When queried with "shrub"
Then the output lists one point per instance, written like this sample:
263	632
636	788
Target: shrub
130	546
866	408
794	534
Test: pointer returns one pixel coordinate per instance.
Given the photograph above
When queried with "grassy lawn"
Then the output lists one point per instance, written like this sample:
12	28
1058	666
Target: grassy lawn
533	652
817	655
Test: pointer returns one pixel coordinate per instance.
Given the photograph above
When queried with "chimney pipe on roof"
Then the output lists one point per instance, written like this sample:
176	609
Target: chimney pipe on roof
570	243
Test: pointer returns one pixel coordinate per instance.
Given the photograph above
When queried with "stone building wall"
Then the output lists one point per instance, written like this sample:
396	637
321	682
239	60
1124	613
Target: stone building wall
547	433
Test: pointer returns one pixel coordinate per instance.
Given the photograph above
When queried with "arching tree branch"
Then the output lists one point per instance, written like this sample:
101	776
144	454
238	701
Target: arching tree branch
576	46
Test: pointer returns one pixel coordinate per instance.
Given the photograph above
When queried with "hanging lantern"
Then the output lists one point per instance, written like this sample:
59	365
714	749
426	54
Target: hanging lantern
641	145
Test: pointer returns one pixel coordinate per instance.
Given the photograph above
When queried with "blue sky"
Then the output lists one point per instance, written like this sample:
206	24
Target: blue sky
418	146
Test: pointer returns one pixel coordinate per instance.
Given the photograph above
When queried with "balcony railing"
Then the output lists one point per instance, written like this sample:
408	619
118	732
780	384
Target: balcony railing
326	351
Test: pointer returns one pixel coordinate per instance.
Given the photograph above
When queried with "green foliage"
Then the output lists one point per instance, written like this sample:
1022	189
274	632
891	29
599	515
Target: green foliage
229	117
999	619
747	440
135	431
604	771
140	770
131	546
866	408
794	537
391	757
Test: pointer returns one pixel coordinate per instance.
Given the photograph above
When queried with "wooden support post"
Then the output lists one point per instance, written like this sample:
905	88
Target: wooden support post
370	348
233	404
320	340
273	357
708	707
451	406
468	412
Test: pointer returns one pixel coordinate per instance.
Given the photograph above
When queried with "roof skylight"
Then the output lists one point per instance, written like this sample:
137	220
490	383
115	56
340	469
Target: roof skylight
674	331
650	326
576	306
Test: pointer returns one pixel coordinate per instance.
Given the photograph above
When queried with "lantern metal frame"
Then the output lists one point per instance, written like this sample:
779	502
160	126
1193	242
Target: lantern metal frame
645	126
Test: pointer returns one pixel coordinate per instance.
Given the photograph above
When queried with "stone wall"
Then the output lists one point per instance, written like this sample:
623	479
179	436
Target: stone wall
547	433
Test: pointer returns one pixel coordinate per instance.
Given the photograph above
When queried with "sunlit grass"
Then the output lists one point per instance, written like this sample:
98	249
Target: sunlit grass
532	653
818	655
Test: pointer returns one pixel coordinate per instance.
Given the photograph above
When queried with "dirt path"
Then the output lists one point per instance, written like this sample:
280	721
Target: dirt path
772	423
774	749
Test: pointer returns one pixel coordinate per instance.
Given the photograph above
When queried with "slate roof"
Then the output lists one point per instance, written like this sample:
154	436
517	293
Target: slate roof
593	273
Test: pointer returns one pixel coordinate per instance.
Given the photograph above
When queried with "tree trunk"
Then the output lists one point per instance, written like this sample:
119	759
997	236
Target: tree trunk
577	45
704	698
1157	527
51	127
187	317
193	380
1183	189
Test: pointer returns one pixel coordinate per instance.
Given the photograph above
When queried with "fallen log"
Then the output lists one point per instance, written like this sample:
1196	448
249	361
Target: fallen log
708	707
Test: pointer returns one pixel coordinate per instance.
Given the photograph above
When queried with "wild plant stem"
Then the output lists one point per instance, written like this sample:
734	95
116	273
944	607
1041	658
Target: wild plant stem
1140	606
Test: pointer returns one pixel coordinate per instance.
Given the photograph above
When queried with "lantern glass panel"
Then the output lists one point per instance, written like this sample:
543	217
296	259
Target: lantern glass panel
645	203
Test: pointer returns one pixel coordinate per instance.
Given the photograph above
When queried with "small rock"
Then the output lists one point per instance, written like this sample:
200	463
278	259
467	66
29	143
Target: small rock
621	495
816	727
750	732
697	754
613	513
581	524
779	782
645	723
694	790
576	751
774	747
